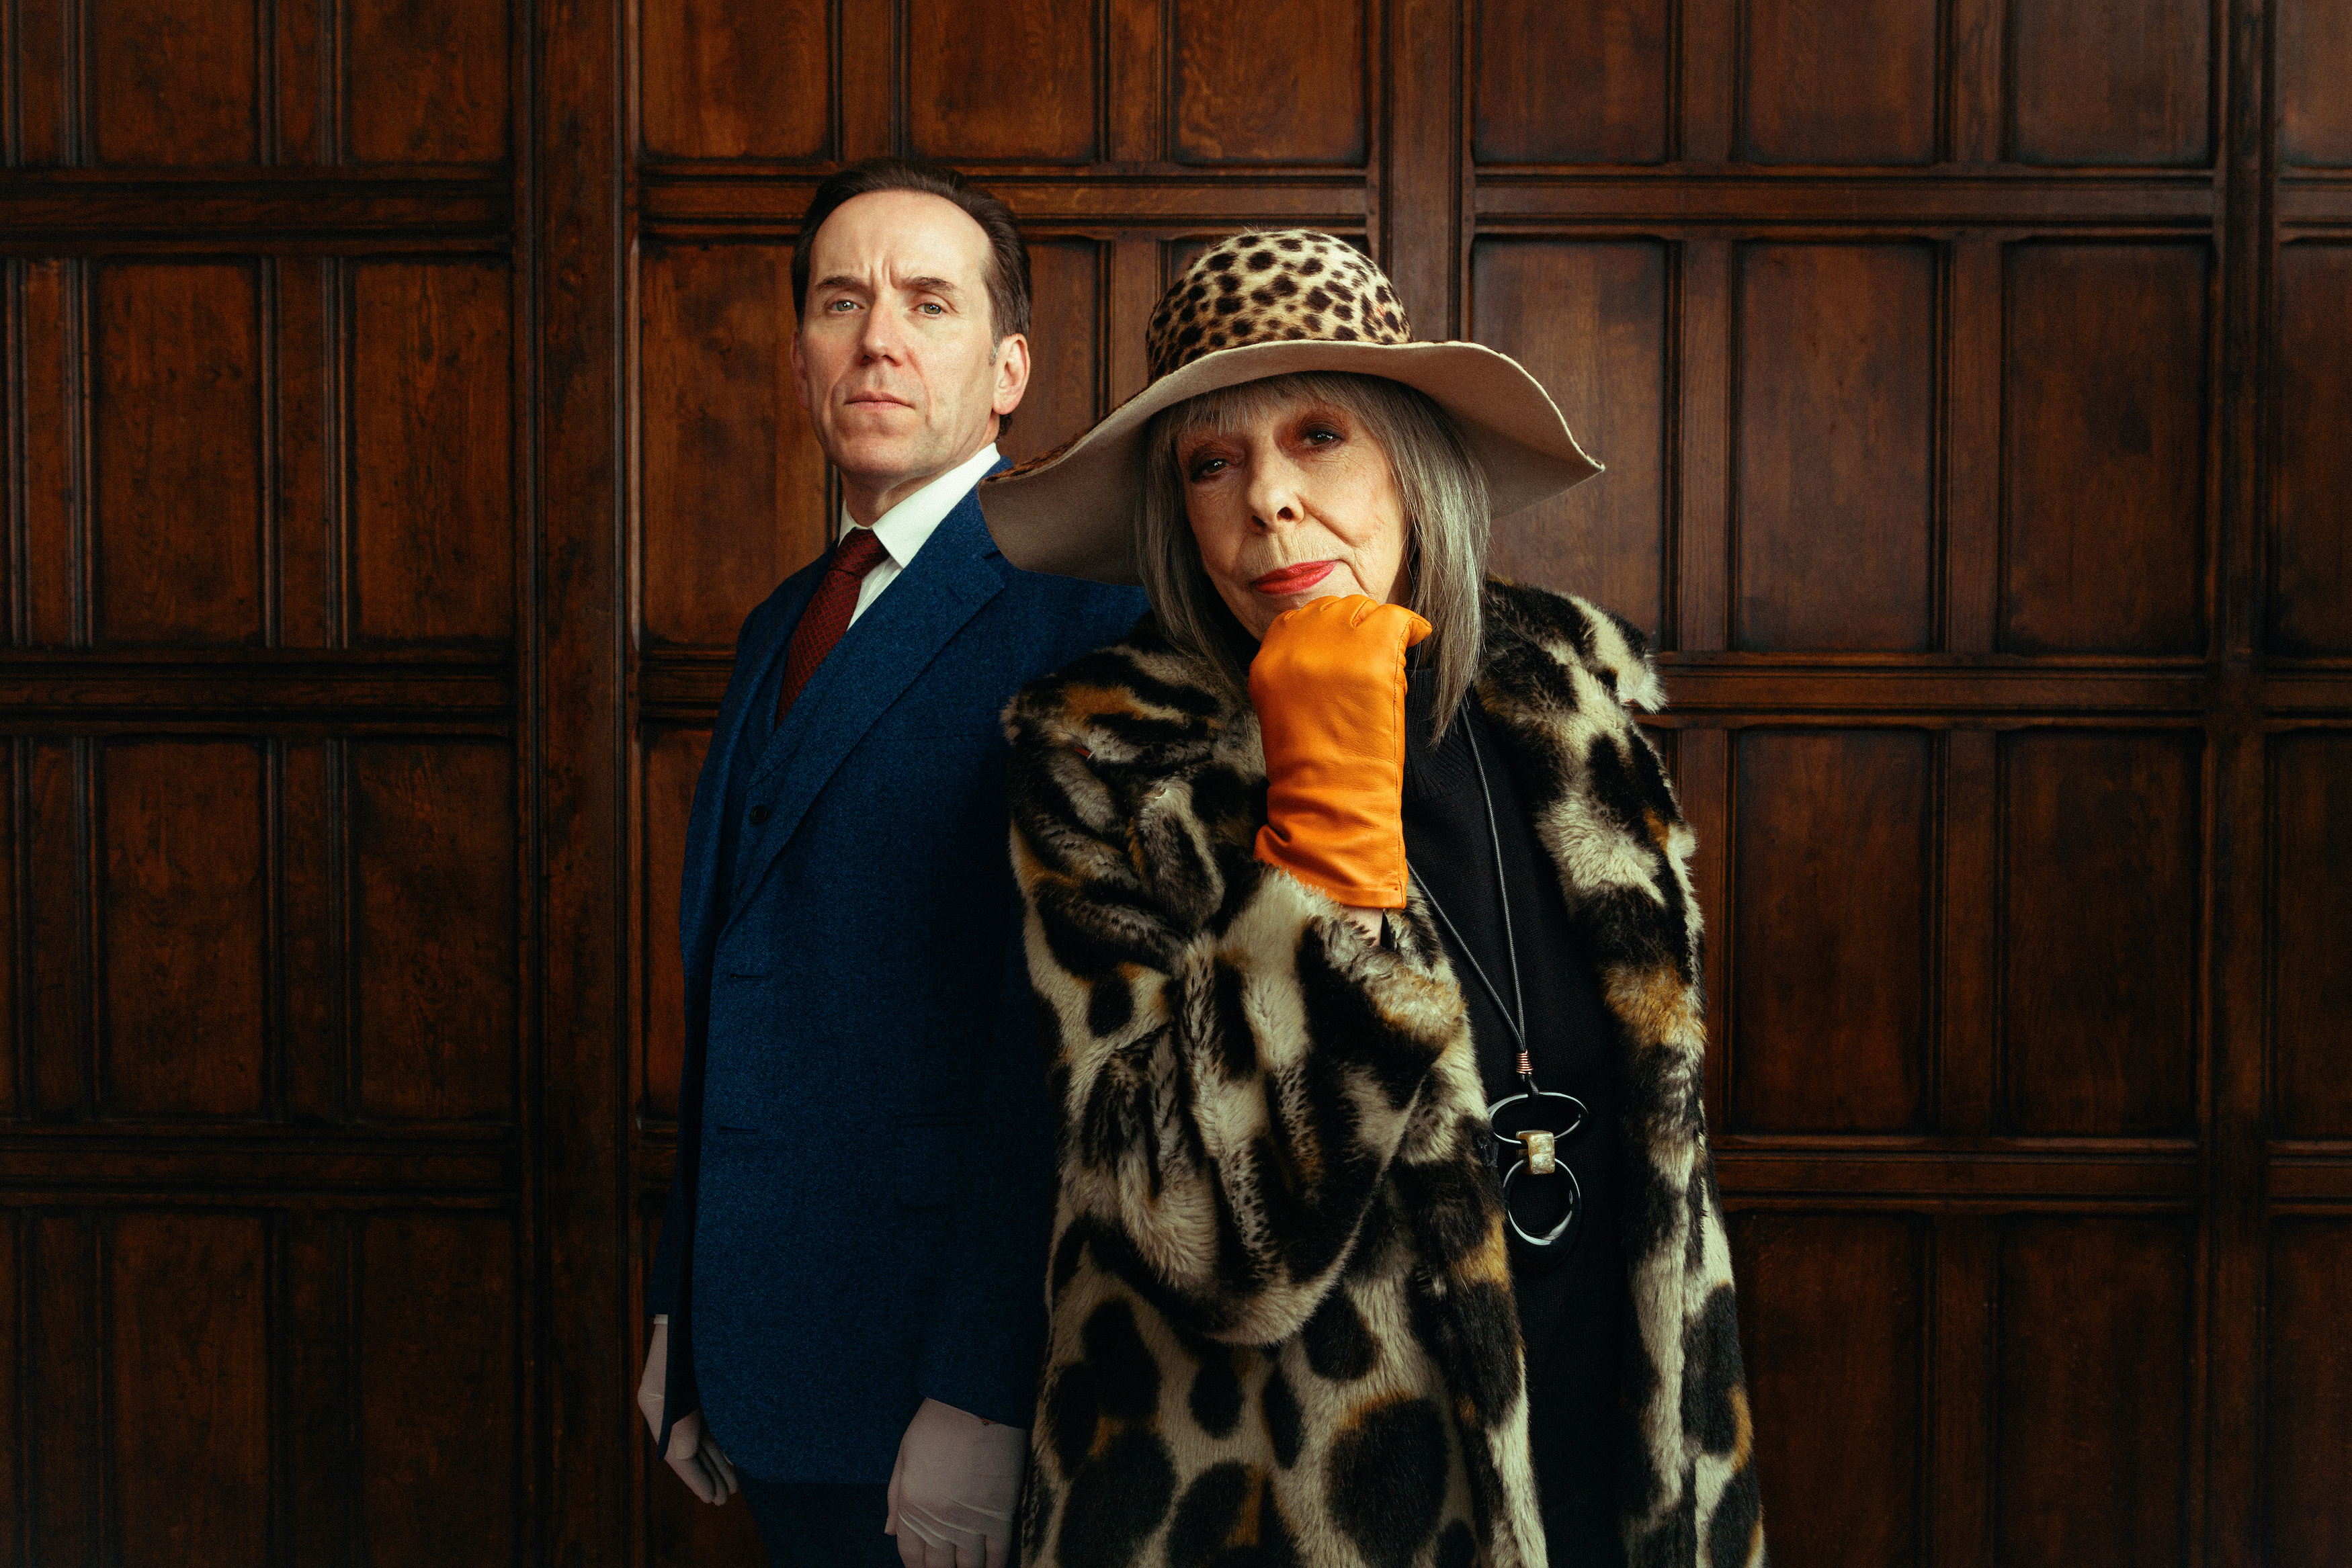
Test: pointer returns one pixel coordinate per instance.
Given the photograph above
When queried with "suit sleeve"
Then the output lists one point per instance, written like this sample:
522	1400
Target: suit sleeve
1237	1066
987	1337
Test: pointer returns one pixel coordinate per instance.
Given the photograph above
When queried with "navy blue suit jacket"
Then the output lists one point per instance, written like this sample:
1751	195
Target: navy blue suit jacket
864	1193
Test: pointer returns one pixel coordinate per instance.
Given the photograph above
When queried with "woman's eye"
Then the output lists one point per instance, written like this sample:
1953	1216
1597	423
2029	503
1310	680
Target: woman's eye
1207	467
1320	435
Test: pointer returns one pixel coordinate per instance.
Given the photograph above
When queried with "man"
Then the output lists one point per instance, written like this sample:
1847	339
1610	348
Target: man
848	1291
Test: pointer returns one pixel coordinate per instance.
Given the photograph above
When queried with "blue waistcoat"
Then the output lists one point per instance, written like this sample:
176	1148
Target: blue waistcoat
864	1191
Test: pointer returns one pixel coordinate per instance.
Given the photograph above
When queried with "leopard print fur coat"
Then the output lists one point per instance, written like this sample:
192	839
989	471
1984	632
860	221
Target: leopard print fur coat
1282	1320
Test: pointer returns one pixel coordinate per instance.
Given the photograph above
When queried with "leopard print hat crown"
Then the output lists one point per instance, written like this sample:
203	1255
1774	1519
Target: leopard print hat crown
1251	306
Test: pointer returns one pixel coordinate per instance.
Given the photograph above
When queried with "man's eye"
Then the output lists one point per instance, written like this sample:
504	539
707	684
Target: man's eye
932	308
839	306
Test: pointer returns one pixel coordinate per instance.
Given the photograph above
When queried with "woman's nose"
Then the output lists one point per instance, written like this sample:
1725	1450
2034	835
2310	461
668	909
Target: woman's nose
1276	496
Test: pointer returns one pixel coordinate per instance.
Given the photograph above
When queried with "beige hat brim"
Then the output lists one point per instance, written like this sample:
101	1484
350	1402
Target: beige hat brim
1074	515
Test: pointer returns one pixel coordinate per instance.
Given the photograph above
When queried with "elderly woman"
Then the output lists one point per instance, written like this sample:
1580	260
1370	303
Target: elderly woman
1358	910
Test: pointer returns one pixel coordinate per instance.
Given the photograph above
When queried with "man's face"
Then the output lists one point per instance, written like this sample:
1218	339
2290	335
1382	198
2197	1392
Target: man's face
895	361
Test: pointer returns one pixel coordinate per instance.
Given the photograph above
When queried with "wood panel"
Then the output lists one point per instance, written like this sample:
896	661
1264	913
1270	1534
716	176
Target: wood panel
438	1383
1839	84
1269	84
2103	417
1065	348
1588	321
188	1395
2091	1456
2315	56
1577	84
176	421
673	761
56	1025
2101	842
435	959
2310	911
1845	1291
173	81
2116	81
185	929
710	73
733	488
1828	922
988	85
46	330
428	80
2311	597
1836	416
2308	1384
63	1330
433	459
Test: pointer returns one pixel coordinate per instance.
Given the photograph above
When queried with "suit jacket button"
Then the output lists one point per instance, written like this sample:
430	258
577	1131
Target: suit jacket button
758	815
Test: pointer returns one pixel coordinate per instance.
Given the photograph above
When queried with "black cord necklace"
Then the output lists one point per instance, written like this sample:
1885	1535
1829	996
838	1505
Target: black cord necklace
1538	1150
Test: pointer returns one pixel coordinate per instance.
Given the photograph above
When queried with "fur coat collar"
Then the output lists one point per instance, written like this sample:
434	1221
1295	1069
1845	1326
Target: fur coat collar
1281	1304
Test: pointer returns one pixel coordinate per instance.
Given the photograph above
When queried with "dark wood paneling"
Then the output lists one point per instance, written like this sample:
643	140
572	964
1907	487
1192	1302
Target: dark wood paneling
184	933
58	1046
1589	319
708	73
2100	831
1576	84
177	420
2104	427
1269	84
189	1385
2311	910
2311	598
433	859
1829	884
2315	59
47	331
43	131
319	1462
673	761
1840	84
173	81
433	458
1845	1291
306	467
2308	1409
2093	1375
313	969
2111	81
439	1382
428	80
733	486
66	1398
985	85
1065	348
1836	414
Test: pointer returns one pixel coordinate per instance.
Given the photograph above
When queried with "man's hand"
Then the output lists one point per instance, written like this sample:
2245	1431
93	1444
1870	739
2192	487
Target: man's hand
955	1489
694	1454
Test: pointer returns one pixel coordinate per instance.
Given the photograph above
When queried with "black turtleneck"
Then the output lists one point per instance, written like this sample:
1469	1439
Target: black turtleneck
1571	1313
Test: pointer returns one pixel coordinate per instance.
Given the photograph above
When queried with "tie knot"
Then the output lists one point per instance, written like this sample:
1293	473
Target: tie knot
858	552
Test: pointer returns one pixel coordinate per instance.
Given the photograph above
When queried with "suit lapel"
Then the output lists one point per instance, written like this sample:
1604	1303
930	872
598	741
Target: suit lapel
954	574
705	836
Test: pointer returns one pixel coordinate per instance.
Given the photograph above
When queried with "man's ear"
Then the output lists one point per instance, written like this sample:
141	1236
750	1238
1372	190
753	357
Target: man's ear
1012	373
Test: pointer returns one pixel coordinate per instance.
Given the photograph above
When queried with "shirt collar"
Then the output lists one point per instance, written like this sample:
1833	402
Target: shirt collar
905	528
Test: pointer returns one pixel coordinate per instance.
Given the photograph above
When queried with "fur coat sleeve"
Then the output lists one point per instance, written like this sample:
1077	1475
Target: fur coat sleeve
1184	981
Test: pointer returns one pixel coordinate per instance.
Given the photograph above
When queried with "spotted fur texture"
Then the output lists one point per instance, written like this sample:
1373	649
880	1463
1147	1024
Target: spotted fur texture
1272	285
1283	1332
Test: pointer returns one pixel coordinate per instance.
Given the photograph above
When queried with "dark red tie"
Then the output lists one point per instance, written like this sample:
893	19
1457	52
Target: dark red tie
828	615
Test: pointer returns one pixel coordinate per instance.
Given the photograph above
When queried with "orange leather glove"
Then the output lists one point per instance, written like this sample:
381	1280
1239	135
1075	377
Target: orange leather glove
1329	686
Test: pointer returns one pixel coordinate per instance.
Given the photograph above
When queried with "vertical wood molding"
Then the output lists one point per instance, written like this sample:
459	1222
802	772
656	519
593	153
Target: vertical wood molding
1419	237
579	1423
1703	438
867	75
1135	287
1708	65
1703	781
1968	991
1961	1391
1135	75
1977	52
1970	459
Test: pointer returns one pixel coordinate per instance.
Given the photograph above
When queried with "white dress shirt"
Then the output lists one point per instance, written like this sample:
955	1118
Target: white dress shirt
905	528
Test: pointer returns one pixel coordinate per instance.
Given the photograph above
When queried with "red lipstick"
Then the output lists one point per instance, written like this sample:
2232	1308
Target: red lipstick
1288	580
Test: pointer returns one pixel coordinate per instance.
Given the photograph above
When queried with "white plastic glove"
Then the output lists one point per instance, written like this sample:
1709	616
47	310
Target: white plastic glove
694	1453
955	1489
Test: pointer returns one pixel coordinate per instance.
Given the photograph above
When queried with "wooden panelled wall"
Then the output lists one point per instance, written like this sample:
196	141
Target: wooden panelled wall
396	429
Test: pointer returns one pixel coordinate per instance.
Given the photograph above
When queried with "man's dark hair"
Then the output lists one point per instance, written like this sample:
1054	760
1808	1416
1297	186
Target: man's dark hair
1007	276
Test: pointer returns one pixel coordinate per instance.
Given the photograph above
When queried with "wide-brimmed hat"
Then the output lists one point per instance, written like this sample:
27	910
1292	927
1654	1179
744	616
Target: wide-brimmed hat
1272	304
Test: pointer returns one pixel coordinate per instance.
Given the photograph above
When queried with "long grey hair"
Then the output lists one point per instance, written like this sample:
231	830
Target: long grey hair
1445	507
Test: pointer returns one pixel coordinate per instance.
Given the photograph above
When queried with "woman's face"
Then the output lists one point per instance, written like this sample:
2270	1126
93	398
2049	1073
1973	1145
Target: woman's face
1299	504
